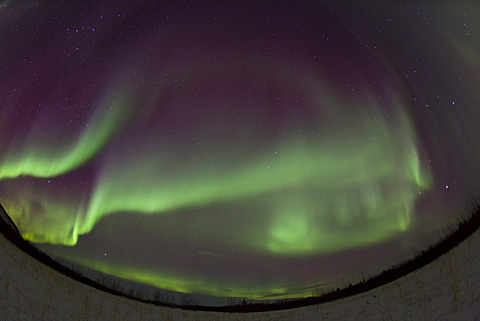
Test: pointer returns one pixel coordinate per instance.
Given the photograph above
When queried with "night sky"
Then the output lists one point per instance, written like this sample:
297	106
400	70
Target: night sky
247	148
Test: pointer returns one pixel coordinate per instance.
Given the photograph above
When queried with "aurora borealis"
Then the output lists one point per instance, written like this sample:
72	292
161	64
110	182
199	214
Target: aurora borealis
236	149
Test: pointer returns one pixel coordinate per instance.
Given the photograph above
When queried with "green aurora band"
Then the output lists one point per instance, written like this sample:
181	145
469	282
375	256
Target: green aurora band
35	161
373	173
188	284
317	195
371	188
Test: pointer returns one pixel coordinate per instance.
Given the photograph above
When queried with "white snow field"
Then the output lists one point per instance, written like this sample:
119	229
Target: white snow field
446	289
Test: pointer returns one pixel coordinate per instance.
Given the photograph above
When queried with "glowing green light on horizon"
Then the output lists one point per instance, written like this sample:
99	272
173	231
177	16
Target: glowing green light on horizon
188	284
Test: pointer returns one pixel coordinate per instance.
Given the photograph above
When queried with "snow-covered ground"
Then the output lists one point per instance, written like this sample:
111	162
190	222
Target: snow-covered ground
446	289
